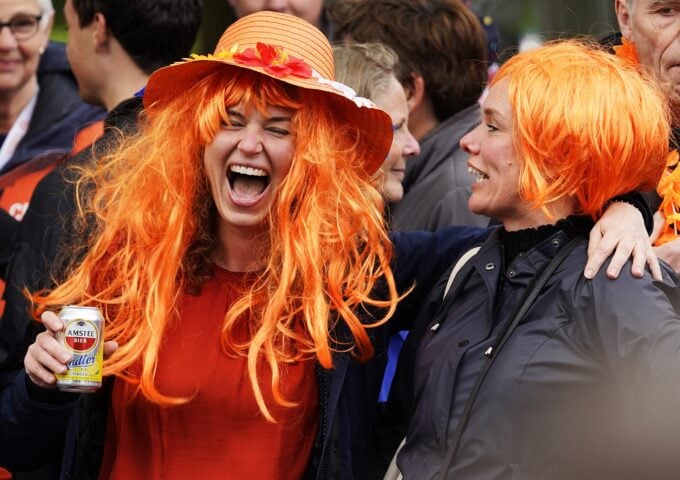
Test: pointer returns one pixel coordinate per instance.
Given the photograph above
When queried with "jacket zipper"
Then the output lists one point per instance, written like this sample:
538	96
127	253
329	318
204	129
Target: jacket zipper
71	472
325	459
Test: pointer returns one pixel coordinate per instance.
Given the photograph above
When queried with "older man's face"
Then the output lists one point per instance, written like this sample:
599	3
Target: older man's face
654	27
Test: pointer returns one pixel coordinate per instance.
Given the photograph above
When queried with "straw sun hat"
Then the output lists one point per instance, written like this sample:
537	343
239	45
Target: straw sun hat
290	50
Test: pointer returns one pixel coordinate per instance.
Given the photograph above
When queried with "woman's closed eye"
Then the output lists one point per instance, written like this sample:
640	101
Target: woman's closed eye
280	131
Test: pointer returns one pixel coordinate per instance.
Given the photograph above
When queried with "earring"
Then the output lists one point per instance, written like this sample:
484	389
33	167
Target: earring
41	50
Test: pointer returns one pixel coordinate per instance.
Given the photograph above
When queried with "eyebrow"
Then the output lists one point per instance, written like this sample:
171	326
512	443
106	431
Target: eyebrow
492	112
663	3
24	13
240	116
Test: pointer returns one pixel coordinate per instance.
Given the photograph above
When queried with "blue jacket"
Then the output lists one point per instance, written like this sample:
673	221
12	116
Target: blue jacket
36	427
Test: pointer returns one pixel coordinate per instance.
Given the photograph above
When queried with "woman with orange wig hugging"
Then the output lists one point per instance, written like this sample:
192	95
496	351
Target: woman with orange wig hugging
244	273
527	370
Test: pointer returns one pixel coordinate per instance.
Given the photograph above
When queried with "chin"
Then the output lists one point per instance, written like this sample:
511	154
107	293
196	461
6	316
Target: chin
478	209
393	193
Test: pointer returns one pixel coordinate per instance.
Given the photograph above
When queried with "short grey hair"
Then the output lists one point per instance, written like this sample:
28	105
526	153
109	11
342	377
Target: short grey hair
46	10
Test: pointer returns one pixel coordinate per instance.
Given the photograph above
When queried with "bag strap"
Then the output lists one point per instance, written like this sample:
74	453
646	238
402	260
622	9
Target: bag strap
460	264
491	353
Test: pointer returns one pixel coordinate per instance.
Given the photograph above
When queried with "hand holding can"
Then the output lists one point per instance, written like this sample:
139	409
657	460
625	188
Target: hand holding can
82	336
46	356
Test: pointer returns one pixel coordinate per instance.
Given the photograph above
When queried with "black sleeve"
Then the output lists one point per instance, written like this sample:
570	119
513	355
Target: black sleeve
642	203
9	228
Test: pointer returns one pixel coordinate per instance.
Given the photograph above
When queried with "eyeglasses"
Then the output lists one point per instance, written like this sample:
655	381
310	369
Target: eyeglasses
22	28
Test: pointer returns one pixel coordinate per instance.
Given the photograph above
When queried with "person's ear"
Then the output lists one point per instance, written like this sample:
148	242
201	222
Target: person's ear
414	87
100	31
623	14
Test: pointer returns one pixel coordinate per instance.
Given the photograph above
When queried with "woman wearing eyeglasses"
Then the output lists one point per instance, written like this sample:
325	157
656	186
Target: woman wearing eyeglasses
40	109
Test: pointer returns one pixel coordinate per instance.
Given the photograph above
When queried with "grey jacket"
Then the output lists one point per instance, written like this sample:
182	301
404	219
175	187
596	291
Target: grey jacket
587	387
437	183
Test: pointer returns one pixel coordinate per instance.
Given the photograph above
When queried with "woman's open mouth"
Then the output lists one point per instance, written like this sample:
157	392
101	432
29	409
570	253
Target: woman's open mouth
247	184
481	176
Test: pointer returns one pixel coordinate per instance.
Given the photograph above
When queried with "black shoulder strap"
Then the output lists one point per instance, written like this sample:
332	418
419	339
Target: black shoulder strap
522	307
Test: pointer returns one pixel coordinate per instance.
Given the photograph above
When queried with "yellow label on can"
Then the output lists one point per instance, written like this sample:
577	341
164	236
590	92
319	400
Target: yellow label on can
82	337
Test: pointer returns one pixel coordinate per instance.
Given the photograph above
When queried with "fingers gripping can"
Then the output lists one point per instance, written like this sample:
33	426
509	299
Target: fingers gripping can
82	336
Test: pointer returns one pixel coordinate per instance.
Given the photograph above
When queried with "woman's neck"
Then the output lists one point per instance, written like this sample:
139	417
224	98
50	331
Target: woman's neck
13	102
241	251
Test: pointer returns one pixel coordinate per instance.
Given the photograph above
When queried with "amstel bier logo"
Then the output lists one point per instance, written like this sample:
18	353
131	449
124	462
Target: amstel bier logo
81	336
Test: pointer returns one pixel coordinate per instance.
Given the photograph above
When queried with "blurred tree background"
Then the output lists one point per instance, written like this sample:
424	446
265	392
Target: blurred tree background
515	19
519	20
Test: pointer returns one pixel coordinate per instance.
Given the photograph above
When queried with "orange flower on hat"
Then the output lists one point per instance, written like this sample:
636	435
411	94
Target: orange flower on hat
274	60
627	51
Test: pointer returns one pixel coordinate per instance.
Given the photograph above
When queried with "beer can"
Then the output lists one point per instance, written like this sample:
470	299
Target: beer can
82	336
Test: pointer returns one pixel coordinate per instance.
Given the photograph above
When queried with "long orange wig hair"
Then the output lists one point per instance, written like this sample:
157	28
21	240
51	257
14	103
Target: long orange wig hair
326	255
587	125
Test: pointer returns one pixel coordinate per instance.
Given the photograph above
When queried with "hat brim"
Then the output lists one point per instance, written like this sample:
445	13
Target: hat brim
373	125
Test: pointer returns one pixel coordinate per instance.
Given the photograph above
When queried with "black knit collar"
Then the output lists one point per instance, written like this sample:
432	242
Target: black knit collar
520	241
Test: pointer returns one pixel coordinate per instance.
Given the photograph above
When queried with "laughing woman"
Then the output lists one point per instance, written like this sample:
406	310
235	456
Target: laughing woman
242	265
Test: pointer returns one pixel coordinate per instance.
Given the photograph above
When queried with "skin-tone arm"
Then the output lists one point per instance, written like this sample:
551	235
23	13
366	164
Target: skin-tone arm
621	230
670	251
46	356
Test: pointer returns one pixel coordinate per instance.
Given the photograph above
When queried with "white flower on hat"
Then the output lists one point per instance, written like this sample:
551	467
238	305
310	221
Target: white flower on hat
345	90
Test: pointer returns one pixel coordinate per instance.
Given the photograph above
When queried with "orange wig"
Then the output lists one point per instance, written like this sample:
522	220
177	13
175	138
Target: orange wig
587	125
326	253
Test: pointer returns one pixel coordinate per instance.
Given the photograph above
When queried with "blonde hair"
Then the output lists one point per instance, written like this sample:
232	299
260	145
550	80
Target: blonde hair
327	252
587	125
366	67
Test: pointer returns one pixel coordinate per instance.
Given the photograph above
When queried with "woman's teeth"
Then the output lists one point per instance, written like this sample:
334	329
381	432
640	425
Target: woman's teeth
253	172
480	176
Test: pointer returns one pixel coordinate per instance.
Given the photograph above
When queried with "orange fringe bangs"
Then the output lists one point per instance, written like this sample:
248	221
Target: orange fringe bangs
155	223
587	124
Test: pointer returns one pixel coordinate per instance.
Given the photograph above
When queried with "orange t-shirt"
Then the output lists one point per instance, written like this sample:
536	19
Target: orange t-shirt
220	433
